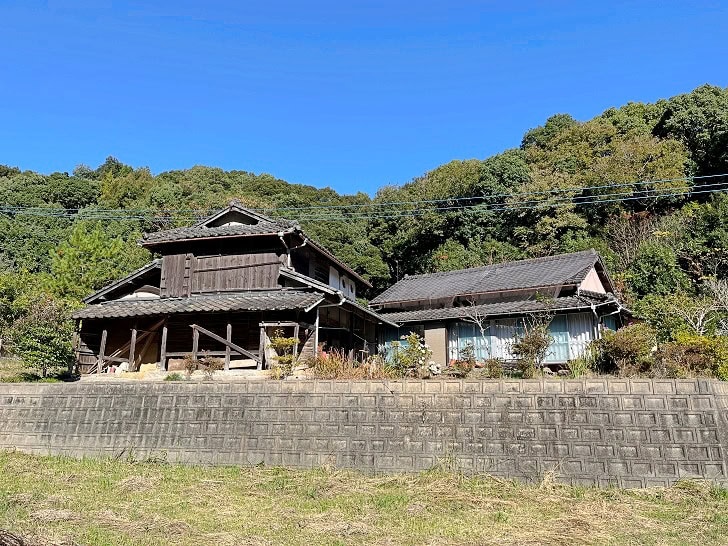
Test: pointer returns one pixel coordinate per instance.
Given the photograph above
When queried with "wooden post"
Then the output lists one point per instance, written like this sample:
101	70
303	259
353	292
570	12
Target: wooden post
195	342
100	365
261	348
295	335
76	343
132	350
229	337
351	334
163	350
316	335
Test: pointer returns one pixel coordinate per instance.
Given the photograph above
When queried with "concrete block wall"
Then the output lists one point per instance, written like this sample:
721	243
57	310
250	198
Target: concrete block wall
630	433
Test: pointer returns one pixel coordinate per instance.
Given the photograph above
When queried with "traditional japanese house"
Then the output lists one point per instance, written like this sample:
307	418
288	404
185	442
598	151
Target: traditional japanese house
486	307
221	288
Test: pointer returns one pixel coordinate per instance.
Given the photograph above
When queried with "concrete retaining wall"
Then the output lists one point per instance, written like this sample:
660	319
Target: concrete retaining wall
632	433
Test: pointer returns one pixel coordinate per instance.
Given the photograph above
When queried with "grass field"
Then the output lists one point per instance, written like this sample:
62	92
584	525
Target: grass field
52	500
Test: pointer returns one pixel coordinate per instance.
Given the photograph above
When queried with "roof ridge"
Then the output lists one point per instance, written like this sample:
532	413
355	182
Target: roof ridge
537	259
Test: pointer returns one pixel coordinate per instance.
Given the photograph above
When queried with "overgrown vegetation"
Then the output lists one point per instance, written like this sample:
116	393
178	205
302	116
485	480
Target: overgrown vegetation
52	500
663	245
531	346
411	357
336	365
282	364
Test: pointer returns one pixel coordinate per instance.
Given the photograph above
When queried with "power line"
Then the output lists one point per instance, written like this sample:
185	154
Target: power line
204	212
518	205
499	195
122	214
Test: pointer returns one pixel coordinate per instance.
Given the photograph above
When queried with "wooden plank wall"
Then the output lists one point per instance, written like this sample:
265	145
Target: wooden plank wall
212	274
173	275
185	274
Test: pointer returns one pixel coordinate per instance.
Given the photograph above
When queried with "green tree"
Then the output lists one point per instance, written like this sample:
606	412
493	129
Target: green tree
655	270
699	119
90	259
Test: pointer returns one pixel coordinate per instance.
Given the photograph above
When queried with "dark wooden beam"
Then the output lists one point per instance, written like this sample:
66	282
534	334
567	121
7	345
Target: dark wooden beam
261	347
132	350
229	335
208	333
195	341
163	350
296	329
102	349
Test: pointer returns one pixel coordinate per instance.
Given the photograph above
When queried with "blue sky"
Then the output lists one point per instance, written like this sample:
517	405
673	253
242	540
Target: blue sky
346	94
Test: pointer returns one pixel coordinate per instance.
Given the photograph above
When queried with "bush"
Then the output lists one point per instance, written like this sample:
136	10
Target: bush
465	364
283	346
693	355
191	365
531	347
412	360
335	365
42	337
212	365
493	368
628	351
174	377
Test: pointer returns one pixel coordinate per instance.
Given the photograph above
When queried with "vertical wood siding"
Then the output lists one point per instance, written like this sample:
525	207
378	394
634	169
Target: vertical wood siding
185	274
571	335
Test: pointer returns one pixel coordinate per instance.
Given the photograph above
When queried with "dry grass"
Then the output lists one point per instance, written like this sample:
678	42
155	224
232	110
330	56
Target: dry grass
53	500
336	365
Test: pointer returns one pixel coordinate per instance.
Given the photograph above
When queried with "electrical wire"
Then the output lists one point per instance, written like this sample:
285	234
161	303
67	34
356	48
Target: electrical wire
341	215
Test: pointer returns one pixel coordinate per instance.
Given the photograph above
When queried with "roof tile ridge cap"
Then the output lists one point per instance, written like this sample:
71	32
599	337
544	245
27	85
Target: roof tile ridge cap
536	259
442	273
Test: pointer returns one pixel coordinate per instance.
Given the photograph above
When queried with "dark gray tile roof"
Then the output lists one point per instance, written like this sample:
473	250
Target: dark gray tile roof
272	300
502	308
265	227
523	274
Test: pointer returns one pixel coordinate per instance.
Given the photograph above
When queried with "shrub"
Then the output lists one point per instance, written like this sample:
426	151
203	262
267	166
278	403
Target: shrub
465	364
282	366
335	365
531	347
493	368
212	365
174	377
191	365
693	355
628	351
412	359
42	337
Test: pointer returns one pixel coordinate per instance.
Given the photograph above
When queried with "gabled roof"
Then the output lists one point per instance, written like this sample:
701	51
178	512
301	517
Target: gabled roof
130	278
226	223
254	224
271	300
551	271
506	308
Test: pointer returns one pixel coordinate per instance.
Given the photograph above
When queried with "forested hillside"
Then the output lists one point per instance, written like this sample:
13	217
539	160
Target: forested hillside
642	183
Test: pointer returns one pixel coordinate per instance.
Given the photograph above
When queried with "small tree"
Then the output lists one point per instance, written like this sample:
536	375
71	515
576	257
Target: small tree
413	357
283	346
42	337
531	347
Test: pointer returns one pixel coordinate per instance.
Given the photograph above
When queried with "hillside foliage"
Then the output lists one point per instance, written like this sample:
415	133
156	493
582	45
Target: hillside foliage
661	231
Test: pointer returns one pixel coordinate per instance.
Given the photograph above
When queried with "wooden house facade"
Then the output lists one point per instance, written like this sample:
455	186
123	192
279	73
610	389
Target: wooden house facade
222	288
487	307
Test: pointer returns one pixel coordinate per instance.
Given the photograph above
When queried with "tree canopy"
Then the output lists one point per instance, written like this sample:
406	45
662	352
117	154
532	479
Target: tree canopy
627	182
